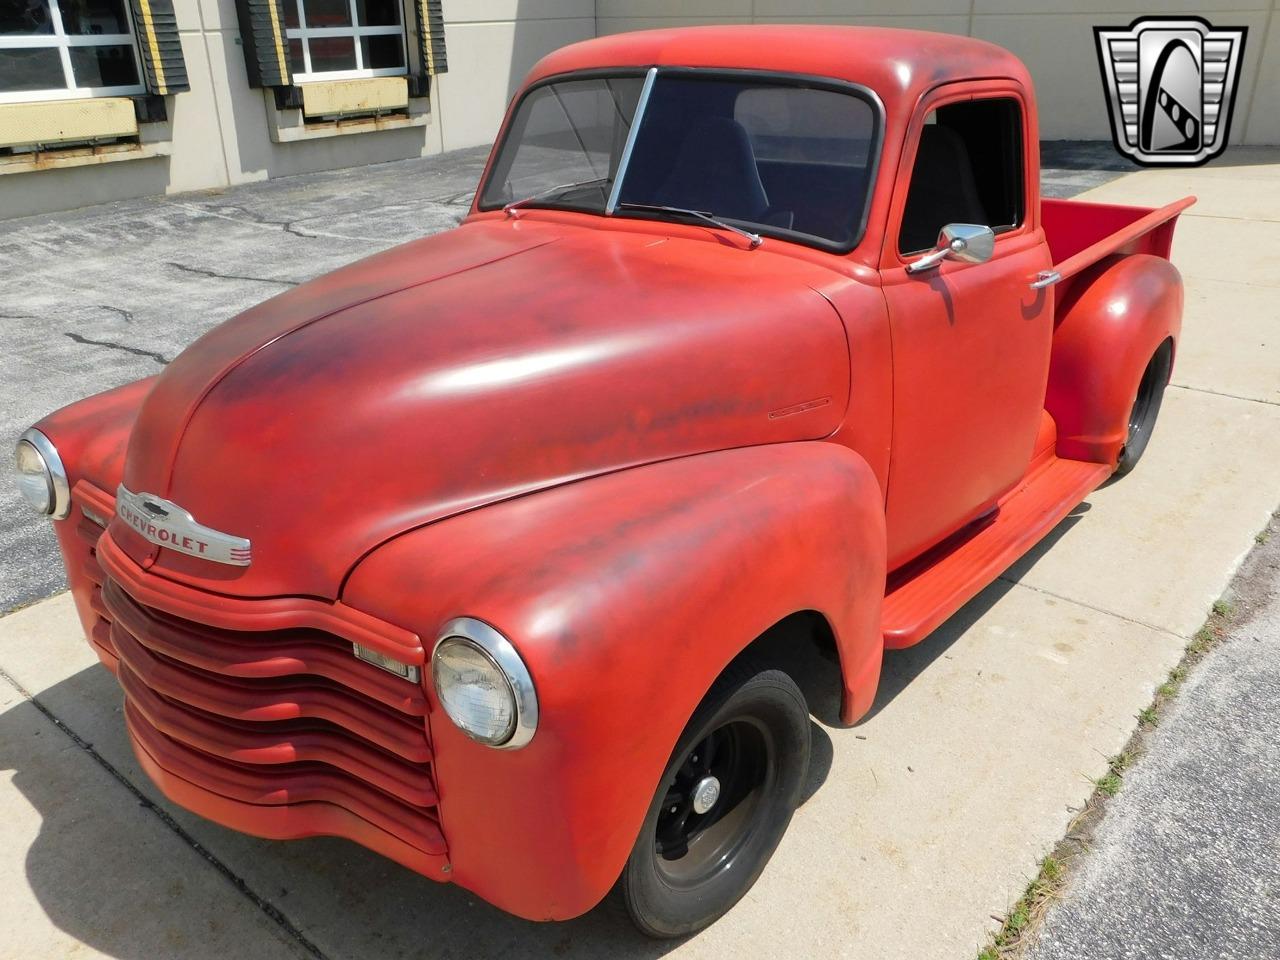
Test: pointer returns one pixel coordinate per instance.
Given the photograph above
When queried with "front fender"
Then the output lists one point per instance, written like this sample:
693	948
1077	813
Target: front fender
90	436
1109	326
626	595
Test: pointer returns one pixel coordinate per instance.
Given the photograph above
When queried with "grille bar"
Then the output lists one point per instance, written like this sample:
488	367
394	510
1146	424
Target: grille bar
287	785
256	713
256	616
281	653
292	701
277	744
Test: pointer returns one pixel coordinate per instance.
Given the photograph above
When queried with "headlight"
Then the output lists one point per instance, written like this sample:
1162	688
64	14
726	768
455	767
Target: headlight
41	477
483	684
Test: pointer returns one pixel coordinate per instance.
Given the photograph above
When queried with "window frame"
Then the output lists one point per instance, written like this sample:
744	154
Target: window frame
959	92
62	41
874	149
355	32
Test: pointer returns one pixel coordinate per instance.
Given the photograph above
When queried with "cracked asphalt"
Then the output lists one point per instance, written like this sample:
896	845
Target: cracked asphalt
97	297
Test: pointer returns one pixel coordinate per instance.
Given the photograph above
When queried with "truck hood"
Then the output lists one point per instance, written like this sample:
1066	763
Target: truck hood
476	365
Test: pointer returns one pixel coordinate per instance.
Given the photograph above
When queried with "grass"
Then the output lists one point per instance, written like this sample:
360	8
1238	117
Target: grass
1171	686
1109	783
1024	916
1029	908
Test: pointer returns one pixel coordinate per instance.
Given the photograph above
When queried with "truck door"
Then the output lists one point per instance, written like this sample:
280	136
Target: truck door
971	341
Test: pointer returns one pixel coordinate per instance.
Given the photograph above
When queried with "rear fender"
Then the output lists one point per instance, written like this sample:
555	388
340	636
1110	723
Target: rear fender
626	595
1109	324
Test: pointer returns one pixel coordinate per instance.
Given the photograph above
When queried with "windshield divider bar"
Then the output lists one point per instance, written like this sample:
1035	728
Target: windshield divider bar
616	192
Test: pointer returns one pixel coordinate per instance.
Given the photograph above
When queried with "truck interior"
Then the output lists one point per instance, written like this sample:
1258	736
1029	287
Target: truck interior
968	169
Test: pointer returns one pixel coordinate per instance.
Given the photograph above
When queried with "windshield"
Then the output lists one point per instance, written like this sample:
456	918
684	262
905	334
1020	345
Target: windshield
782	157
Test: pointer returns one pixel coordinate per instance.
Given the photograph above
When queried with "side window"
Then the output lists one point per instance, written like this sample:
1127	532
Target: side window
968	169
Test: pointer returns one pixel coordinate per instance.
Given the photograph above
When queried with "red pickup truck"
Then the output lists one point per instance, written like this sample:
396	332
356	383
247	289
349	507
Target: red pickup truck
471	552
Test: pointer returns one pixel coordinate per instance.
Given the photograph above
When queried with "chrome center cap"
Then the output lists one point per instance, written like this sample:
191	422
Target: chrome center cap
705	795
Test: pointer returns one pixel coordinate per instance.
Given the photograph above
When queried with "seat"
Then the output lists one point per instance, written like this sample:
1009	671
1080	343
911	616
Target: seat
715	170
942	189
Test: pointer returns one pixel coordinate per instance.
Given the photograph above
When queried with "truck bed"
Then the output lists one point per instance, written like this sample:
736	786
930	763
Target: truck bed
1080	233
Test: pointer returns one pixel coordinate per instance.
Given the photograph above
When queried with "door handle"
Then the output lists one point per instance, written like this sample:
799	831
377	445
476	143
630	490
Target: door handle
1045	278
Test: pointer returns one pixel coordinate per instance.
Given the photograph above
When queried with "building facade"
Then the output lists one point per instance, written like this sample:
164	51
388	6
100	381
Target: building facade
109	99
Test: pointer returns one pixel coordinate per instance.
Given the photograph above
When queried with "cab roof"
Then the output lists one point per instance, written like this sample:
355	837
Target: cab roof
899	65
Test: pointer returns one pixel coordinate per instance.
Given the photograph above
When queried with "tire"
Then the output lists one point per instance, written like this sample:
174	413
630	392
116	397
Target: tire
1146	408
688	867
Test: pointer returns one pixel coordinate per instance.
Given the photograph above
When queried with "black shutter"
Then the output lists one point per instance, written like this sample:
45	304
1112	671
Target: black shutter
430	42
266	49
164	70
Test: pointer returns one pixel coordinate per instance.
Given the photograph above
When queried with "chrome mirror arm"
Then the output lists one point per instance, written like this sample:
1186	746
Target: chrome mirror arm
931	260
966	242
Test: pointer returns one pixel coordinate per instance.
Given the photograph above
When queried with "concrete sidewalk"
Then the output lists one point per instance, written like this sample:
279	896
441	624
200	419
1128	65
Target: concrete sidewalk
923	823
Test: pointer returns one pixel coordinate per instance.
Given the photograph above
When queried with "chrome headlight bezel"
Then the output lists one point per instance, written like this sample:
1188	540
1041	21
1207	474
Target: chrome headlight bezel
59	489
498	650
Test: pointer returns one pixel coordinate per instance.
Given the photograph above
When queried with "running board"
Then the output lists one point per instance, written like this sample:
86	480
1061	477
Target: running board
929	590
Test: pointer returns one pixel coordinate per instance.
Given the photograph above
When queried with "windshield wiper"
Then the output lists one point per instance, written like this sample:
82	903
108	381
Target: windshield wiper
707	217
543	194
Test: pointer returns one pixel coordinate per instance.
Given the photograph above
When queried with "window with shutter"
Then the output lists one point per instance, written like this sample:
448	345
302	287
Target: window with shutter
67	49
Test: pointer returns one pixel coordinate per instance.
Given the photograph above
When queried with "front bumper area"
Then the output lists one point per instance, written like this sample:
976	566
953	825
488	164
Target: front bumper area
256	714
290	821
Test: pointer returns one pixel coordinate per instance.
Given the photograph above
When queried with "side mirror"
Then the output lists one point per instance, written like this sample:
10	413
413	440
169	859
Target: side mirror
967	242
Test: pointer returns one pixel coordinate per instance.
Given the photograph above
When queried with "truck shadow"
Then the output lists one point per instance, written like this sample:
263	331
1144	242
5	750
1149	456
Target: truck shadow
901	667
108	870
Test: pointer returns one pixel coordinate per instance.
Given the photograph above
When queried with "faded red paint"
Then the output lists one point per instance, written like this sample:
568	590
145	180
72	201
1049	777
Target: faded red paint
610	586
631	446
495	380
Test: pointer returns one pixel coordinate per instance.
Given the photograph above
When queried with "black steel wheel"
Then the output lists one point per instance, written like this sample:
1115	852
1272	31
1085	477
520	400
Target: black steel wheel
1146	407
724	802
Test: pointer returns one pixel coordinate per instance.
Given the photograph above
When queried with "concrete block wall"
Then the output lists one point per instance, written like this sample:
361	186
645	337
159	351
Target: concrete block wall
492	44
220	135
1053	37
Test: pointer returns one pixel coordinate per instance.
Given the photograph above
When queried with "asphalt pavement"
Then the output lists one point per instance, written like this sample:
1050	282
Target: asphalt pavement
1186	862
97	297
